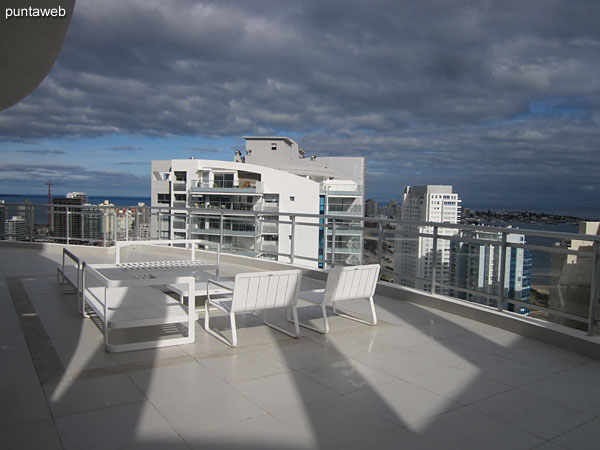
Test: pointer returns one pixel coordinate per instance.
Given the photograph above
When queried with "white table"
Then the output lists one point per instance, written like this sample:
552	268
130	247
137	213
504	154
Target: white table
125	296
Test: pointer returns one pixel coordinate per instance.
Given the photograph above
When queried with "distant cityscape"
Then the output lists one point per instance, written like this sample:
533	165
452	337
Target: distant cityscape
392	210
274	177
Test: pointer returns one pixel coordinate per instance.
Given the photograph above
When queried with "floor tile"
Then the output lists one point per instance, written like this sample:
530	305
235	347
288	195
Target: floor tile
175	379
192	412
243	366
21	404
398	439
532	413
405	336
334	422
463	428
358	343
545	356
39	434
256	433
402	363
505	370
584	437
578	394
283	390
73	395
347	376
448	352
303	354
131	425
463	386
588	371
402	402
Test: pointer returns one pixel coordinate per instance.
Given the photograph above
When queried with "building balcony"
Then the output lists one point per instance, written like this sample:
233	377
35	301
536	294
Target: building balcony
433	373
346	212
228	188
216	231
341	190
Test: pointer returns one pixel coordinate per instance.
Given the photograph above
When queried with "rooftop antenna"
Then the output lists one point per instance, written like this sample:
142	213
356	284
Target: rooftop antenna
49	184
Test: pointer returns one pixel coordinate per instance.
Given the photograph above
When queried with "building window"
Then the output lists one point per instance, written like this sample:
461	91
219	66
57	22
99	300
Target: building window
164	198
273	145
292	198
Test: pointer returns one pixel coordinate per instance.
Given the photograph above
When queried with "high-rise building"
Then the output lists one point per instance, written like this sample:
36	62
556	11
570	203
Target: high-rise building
414	253
81	195
63	218
371	208
341	180
392	209
476	267
85	222
273	176
16	229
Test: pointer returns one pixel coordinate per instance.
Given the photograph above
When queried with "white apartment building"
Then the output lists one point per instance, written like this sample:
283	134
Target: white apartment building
16	229
476	266
195	191
414	253
341	179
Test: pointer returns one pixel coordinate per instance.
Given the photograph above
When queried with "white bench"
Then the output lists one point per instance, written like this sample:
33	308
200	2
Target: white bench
123	297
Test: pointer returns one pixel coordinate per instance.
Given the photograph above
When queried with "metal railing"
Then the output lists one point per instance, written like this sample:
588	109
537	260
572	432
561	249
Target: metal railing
443	259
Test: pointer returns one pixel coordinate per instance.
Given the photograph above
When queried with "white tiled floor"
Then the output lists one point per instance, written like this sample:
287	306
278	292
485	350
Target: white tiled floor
421	379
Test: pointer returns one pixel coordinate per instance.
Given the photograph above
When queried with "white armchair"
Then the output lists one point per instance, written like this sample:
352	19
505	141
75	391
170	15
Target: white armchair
254	292
344	283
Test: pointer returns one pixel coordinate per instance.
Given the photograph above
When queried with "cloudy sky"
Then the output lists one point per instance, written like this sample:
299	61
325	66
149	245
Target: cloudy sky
498	98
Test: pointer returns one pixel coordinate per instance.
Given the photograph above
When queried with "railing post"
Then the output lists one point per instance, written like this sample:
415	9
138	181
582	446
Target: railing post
332	241
115	237
221	231
104	225
31	223
594	290
293	238
256	233
82	216
67	218
502	262
434	259
380	243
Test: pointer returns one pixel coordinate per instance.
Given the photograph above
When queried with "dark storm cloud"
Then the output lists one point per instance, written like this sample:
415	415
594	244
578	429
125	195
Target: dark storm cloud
461	92
71	177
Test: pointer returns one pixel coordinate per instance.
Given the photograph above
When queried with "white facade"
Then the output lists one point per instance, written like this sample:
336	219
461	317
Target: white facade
414	253
342	181
273	176
16	229
207	187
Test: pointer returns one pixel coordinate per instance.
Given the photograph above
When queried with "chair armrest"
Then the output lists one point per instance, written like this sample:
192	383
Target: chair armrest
218	284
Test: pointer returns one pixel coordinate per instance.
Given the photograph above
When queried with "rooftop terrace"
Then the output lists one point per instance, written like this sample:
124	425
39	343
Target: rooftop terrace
423	378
